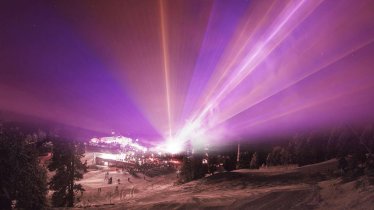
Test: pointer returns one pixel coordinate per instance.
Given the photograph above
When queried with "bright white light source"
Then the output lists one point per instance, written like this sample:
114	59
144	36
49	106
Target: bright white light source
174	146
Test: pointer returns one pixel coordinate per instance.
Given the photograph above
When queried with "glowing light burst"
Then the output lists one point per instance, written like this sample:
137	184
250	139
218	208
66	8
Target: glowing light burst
192	71
248	64
173	146
223	92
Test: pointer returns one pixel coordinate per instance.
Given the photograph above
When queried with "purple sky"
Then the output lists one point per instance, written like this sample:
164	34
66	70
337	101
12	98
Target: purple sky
148	68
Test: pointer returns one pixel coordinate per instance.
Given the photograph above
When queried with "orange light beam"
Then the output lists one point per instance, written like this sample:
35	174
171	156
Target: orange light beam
165	54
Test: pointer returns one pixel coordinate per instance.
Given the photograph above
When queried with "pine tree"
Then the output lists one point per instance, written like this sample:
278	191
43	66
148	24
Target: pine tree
229	163
198	169
212	164
254	161
22	178
66	162
186	170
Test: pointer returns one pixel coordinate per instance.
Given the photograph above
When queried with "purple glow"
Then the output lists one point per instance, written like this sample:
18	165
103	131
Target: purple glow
189	70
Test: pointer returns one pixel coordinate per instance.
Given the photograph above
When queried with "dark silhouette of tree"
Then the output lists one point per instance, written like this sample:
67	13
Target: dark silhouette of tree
229	163
291	148
278	156
254	161
198	168
367	139
244	159
21	178
193	168
212	164
344	143
332	142
66	162
186	170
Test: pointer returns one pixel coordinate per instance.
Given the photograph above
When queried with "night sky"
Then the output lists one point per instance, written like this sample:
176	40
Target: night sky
159	68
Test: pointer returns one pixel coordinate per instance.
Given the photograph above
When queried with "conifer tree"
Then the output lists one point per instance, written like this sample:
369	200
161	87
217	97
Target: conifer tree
66	162
254	161
22	179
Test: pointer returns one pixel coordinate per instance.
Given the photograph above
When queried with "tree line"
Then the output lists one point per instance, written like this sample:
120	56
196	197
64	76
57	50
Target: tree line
24	183
344	142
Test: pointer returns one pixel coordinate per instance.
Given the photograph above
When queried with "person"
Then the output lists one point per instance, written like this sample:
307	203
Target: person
119	181
128	179
110	180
